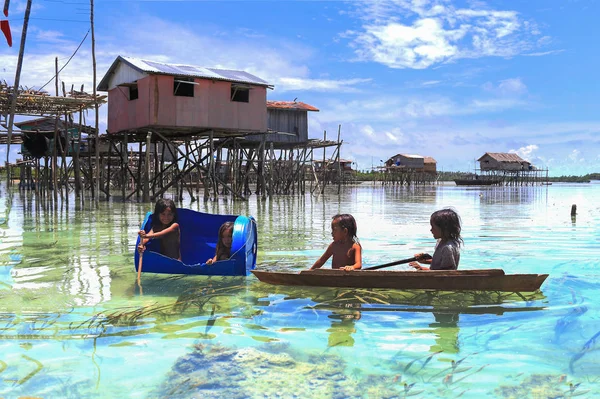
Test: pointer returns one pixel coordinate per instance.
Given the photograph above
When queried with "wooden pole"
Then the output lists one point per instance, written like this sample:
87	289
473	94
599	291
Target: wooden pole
324	167
271	167
155	167
124	164
56	119
146	195
138	183
64	149
211	163
339	159
108	171
97	130
76	159
13	103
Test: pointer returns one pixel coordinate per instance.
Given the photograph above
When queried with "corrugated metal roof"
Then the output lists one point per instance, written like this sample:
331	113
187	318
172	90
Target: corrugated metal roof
154	67
407	156
504	157
292	105
412	156
430	160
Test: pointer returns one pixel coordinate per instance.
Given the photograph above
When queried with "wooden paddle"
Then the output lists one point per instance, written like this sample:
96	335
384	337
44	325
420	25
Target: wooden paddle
399	262
140	268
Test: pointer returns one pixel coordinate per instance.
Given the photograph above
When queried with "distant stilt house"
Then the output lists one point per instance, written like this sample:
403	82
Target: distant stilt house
510	169
491	161
409	169
406	161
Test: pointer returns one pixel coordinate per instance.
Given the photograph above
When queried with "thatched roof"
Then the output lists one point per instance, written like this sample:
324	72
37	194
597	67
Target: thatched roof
503	157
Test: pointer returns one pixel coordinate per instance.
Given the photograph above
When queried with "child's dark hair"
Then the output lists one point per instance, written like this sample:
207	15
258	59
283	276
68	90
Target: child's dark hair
160	207
222	250
449	223
346	221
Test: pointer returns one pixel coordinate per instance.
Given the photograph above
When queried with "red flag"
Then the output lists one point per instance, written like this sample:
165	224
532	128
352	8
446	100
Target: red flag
5	27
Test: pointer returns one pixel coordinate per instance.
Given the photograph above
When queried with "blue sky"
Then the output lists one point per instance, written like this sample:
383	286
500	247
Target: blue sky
447	79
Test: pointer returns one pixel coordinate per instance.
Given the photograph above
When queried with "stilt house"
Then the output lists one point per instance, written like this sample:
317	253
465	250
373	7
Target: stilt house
406	161
499	161
183	99
287	122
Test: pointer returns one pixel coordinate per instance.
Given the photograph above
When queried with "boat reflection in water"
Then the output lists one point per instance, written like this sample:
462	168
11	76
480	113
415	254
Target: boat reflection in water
349	305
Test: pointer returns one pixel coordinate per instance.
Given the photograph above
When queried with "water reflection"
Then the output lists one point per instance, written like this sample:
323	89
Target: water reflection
343	325
511	195
446	330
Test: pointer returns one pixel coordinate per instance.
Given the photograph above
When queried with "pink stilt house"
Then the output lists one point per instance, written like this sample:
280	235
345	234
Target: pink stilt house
183	99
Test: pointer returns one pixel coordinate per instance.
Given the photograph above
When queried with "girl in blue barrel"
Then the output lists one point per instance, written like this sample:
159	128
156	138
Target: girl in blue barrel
165	227
223	244
445	227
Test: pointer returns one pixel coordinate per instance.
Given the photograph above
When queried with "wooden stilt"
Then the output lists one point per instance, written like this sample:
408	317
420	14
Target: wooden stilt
76	164
146	194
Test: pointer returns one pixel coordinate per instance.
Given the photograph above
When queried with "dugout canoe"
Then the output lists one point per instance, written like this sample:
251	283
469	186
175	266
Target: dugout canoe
199	234
442	280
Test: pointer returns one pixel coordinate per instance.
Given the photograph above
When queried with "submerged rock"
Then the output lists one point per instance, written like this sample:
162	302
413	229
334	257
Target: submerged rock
266	372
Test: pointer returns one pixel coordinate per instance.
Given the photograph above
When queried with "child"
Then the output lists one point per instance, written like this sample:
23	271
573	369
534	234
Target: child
445	227
224	243
164	227
345	248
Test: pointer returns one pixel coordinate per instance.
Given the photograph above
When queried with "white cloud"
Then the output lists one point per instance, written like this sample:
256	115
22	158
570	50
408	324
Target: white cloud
527	152
512	86
575	156
368	131
507	88
543	53
391	136
401	46
400	109
419	34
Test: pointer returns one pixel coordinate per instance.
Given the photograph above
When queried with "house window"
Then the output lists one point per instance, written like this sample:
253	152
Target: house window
133	92
240	94
184	87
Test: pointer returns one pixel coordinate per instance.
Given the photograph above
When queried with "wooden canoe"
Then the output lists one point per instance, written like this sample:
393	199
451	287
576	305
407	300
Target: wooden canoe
443	280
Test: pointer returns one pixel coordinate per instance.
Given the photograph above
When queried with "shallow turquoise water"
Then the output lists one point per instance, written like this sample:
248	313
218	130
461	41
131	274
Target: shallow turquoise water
73	324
